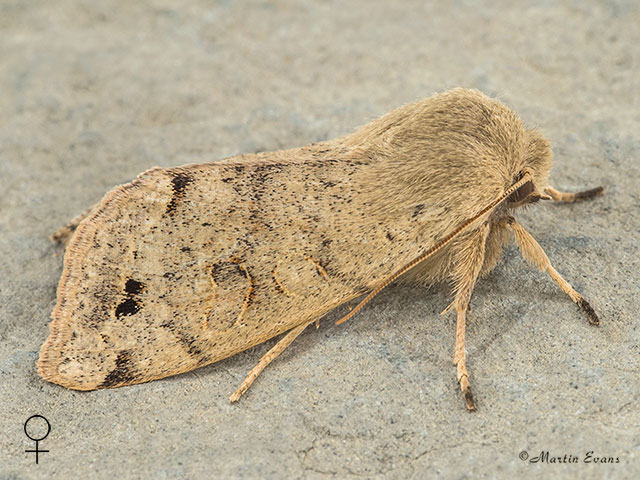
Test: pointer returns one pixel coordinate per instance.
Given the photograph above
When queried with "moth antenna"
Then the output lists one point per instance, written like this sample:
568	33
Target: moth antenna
527	175
567	197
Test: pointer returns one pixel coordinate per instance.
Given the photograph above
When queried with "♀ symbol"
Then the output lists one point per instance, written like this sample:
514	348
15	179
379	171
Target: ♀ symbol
35	438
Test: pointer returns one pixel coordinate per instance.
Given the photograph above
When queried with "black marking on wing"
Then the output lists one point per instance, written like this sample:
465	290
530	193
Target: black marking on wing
122	373
190	342
133	287
130	305
186	339
179	184
417	210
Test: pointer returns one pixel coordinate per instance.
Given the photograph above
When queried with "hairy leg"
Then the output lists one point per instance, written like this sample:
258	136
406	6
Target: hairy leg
468	264
567	197
533	253
267	358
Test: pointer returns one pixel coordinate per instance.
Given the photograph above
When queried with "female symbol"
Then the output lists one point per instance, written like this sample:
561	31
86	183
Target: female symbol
37	450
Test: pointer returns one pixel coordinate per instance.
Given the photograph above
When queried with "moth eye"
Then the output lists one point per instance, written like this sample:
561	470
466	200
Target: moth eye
521	193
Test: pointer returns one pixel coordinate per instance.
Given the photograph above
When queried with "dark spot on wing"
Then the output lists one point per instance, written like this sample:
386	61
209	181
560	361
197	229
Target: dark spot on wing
122	373
179	184
133	287
190	343
186	339
417	210
128	307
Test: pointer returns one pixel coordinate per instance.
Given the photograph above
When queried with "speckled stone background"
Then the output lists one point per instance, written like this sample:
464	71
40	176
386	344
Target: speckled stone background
92	93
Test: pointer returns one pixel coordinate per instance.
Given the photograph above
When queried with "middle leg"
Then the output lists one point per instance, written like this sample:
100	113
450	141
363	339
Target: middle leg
468	264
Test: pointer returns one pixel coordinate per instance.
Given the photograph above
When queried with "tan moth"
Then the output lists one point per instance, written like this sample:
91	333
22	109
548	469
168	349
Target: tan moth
186	266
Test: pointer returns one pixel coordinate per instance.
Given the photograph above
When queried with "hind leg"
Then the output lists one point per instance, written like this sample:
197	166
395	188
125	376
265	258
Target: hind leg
267	358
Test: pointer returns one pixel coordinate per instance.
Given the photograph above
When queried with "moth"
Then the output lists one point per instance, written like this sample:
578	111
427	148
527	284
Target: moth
186	266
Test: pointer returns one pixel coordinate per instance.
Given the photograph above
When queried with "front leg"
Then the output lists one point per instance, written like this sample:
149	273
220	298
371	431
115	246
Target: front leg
533	253
468	263
567	197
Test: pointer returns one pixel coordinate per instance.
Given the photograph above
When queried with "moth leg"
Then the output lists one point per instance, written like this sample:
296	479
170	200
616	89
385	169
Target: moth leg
63	234
267	358
469	263
533	253
567	197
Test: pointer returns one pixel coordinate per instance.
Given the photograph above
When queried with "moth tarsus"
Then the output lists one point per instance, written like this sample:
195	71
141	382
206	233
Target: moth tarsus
468	399
186	266
588	309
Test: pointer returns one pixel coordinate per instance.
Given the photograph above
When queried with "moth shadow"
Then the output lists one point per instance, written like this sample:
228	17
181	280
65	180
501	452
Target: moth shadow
379	316
402	323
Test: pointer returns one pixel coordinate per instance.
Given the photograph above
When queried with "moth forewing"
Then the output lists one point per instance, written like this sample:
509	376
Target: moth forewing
186	266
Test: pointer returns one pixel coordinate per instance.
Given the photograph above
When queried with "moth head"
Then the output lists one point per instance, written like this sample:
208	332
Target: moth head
537	163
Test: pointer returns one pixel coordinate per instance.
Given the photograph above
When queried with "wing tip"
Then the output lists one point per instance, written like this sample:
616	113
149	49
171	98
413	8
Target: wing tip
80	242
49	361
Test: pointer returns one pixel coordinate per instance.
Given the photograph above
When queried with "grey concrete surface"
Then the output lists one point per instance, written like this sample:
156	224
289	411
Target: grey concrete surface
92	93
